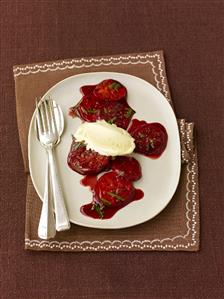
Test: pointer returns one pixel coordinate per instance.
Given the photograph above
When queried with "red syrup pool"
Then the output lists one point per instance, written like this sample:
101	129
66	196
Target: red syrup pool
89	181
87	89
139	194
94	211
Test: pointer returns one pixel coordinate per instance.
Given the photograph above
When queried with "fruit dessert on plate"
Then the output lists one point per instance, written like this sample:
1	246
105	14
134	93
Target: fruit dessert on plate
102	143
107	101
86	161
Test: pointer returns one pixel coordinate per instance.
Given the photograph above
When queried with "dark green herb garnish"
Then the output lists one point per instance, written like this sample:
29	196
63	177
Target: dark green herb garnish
118	197
90	111
97	208
111	121
114	85
128	112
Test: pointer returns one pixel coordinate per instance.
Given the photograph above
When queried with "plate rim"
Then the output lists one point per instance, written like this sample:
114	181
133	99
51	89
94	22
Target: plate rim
178	135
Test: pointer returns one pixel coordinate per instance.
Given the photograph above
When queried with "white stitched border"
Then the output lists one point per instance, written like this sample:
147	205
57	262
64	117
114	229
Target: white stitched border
117	244
188	137
182	133
84	63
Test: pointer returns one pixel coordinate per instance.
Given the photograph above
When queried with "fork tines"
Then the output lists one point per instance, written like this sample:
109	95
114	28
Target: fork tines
45	116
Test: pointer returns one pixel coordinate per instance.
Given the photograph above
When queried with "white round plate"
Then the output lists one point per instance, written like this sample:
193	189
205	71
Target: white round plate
160	176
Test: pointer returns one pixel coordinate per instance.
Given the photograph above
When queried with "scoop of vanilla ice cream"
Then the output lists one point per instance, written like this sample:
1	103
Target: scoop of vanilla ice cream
104	138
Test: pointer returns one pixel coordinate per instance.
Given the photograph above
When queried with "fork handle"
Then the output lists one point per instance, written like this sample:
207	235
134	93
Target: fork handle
46	228
61	214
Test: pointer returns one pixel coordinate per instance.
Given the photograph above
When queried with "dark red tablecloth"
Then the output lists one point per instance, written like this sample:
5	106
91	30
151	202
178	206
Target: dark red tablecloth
191	35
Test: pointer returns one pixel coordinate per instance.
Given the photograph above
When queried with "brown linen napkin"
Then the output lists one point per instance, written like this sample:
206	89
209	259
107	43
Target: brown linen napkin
175	228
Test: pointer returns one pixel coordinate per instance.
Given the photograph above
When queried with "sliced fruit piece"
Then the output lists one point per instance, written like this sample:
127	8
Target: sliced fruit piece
119	113
88	108
127	167
87	89
113	190
110	90
86	161
91	109
150	138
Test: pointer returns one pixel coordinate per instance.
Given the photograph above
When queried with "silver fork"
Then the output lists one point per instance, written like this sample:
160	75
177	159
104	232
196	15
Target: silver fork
50	124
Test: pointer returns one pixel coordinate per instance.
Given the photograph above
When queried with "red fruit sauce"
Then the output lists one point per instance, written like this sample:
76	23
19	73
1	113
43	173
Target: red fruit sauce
87	89
105	204
108	212
89	181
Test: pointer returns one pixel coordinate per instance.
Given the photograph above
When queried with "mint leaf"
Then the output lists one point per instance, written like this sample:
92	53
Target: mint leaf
111	121
128	113
91	111
118	197
98	210
114	85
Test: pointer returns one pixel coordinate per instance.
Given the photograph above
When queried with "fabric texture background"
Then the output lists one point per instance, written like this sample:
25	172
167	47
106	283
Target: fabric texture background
191	35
